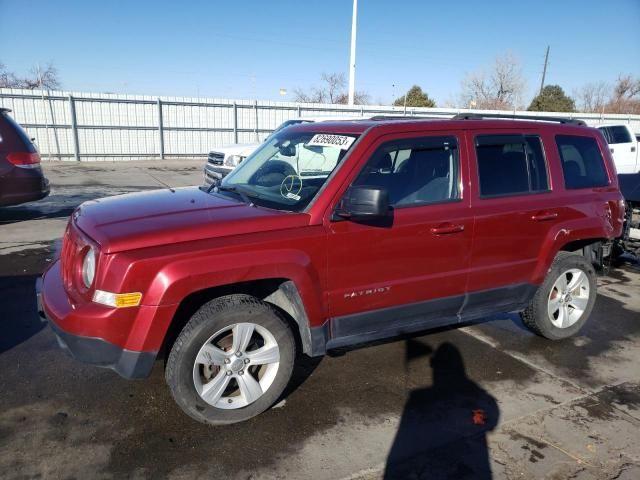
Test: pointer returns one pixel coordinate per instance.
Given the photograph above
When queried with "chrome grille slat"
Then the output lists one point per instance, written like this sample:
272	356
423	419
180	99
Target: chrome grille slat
215	158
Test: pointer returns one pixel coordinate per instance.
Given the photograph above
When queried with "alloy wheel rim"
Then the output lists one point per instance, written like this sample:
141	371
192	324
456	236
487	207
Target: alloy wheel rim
236	366
568	298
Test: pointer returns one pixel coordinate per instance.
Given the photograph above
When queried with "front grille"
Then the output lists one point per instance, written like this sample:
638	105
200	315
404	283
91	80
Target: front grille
215	158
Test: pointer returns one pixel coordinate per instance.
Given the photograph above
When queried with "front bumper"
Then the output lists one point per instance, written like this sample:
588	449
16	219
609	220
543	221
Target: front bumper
88	349
23	186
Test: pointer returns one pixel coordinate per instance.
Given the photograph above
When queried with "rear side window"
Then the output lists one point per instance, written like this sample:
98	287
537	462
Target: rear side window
582	162
12	133
511	165
616	135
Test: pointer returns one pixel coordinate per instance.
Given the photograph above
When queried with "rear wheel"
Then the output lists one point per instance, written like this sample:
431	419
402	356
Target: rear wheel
564	301
231	361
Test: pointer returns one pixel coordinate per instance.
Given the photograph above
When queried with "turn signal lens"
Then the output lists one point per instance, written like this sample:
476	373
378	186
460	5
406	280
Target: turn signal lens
117	300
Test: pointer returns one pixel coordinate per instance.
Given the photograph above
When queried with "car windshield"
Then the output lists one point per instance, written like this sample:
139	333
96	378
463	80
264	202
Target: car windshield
288	170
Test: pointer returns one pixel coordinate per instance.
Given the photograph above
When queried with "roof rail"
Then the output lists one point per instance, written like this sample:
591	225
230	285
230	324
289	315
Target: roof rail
399	117
480	116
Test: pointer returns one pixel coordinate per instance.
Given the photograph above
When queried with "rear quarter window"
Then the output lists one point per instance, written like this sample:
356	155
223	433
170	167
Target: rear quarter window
13	136
582	162
620	135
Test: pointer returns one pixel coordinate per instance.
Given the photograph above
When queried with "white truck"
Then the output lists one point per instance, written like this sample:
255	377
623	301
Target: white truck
623	144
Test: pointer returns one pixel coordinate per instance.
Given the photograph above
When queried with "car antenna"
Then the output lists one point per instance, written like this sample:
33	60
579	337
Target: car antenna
171	189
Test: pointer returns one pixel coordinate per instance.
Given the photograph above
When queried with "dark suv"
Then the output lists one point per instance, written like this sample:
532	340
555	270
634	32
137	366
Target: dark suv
21	178
330	235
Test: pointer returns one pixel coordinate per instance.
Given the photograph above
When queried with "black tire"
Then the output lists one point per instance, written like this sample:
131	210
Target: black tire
535	316
210	318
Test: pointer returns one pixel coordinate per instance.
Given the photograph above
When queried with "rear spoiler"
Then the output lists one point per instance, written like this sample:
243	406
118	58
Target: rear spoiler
4	110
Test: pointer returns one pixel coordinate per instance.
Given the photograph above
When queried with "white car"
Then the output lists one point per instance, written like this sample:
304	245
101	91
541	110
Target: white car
624	147
223	160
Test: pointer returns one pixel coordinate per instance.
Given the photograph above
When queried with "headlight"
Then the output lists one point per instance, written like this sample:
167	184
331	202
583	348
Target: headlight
89	267
233	160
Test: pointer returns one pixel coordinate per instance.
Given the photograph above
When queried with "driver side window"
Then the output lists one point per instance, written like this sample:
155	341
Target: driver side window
415	172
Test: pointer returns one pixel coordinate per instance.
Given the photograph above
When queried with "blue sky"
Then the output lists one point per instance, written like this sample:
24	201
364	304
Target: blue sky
251	48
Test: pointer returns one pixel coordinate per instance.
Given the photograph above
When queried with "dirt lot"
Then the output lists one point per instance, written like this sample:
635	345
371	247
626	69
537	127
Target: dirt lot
488	399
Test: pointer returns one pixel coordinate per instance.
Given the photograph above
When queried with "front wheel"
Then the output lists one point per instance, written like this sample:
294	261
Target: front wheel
564	301
231	361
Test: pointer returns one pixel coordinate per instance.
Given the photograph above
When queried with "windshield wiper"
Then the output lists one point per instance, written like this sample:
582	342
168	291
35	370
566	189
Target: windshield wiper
245	198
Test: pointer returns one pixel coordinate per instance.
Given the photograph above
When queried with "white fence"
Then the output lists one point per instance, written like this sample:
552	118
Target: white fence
96	126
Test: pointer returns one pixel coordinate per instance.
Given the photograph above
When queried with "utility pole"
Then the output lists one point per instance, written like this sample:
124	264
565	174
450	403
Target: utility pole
352	60
544	71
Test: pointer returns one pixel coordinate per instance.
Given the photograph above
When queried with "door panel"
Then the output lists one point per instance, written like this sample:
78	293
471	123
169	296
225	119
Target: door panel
510	228
422	255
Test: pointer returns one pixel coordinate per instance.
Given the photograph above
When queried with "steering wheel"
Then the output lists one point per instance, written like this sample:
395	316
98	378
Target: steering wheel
291	187
273	173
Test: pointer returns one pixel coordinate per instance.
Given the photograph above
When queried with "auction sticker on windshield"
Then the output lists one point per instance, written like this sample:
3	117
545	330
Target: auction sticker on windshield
342	142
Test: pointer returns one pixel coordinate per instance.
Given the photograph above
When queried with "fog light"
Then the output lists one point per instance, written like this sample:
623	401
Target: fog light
117	300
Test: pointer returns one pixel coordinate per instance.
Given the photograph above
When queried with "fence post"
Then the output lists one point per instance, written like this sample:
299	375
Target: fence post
299	111
255	109
160	131
74	128
235	122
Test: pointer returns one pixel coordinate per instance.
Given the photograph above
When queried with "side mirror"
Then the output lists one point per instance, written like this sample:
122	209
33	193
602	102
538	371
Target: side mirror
364	202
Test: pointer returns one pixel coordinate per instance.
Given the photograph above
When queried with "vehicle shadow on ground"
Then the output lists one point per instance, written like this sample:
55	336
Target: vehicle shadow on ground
10	215
442	432
62	202
19	319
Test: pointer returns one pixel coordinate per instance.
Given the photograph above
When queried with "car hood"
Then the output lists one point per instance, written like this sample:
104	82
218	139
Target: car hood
242	149
160	217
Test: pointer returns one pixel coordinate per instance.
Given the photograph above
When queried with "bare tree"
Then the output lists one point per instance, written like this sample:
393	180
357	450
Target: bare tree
7	79
334	84
359	98
593	97
46	78
500	88
331	90
626	96
627	87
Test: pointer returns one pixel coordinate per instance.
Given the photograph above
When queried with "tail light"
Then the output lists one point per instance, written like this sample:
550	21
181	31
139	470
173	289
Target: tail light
24	159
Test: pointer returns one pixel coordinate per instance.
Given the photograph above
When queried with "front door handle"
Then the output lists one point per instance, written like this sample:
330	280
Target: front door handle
544	216
447	228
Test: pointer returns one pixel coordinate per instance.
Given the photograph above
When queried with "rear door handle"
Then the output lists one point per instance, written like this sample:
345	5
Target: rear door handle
447	228
544	216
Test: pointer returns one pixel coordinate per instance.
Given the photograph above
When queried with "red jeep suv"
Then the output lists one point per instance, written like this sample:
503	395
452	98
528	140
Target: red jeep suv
330	235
